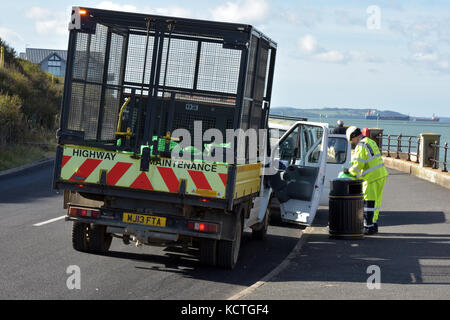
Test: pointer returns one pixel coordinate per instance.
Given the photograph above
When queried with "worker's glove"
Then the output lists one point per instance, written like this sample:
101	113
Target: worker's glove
346	171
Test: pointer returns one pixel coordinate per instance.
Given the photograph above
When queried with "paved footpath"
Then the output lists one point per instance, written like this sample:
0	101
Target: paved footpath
412	251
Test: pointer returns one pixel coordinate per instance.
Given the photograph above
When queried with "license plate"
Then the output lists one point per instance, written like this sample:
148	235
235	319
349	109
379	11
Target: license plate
144	220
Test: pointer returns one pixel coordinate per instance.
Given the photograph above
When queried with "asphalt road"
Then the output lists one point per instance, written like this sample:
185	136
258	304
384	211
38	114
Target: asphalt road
35	259
411	252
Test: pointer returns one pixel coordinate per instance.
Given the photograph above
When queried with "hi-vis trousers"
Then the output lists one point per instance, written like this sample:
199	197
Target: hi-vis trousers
373	195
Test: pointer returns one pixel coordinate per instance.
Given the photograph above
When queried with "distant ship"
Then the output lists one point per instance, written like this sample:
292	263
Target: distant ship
433	119
372	115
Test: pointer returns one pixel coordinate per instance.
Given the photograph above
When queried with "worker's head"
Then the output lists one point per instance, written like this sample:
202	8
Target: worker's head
354	135
340	123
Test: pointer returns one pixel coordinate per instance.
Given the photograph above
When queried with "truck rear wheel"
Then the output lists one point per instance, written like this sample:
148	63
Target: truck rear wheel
90	238
228	251
99	240
80	236
208	252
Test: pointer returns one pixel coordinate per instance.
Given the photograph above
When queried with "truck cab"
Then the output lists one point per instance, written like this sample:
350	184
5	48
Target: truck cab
307	157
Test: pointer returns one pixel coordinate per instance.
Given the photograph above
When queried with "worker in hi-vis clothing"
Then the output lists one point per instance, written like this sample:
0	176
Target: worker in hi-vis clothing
368	165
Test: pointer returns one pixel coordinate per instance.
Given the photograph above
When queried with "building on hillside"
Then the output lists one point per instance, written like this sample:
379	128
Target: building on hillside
52	61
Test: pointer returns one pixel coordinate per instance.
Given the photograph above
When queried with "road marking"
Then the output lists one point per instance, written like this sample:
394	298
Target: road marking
303	238
48	221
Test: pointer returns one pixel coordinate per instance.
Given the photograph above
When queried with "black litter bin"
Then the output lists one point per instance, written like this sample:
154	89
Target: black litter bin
346	209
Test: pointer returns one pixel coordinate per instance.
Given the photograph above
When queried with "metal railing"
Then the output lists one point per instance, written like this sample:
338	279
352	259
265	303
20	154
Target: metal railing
400	144
397	143
435	159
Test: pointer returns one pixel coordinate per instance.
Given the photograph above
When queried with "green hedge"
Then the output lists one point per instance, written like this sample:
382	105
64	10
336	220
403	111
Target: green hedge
29	100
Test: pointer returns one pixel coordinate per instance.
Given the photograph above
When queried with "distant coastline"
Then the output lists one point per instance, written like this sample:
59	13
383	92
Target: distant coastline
351	113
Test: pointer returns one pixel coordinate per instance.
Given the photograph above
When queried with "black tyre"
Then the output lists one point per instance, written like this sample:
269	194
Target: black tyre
228	251
208	252
259	231
80	236
99	240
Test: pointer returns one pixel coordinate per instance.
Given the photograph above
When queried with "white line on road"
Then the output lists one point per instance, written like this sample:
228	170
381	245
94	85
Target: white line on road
295	251
48	221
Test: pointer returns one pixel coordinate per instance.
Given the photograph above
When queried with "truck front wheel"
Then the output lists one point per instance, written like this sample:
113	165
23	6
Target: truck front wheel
259	231
228	251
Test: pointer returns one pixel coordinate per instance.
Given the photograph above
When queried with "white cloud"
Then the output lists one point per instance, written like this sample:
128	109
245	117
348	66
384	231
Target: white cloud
348	18
175	11
425	57
304	17
242	11
332	56
49	22
443	65
9	35
108	5
307	44
37	13
311	50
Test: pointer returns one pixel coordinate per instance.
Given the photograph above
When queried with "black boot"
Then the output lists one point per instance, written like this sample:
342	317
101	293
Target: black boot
371	230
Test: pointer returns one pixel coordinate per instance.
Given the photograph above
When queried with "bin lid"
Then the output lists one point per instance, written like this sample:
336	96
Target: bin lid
346	186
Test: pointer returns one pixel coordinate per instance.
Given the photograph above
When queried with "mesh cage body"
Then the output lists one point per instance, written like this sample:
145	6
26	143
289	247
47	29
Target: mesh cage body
174	72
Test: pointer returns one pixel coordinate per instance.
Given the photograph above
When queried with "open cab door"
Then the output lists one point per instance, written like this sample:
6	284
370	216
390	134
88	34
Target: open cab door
299	161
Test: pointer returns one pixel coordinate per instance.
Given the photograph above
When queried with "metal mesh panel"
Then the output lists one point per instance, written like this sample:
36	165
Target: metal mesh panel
229	124
97	54
111	110
186	121
81	56
89	57
136	57
219	68
261	74
251	67
255	121
181	67
88	65
115	59
245	114
76	105
112	96
91	107
85	104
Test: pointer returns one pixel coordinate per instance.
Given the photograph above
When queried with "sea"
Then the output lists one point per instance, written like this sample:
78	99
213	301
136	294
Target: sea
394	127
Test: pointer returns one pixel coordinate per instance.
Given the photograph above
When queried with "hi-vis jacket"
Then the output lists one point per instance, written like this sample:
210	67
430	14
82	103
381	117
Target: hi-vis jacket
367	162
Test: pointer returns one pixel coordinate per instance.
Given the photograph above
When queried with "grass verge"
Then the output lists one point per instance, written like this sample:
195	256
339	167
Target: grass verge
18	155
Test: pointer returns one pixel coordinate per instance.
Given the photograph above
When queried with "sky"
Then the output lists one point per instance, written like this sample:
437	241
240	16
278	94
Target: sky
381	54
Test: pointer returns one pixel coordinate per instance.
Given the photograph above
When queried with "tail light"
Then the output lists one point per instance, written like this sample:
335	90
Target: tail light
203	227
78	212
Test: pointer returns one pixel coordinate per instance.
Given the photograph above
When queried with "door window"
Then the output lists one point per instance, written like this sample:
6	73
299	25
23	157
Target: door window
311	145
337	150
289	150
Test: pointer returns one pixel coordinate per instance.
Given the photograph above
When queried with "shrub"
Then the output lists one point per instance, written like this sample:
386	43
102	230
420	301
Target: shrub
29	101
11	120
